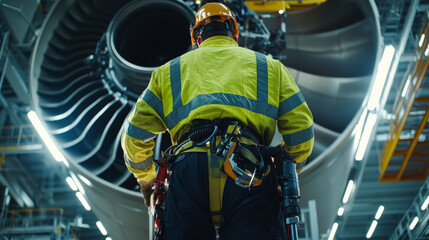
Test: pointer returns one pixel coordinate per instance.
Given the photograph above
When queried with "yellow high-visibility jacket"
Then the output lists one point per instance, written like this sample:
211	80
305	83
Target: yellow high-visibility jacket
218	80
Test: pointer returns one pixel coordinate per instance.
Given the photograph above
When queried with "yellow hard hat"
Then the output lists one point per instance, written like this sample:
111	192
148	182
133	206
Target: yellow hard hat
213	12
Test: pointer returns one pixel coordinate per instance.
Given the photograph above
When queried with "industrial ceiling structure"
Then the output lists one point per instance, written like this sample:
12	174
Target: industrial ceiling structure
64	61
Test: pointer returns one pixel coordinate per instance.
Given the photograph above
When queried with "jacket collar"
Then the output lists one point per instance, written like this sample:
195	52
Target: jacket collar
218	40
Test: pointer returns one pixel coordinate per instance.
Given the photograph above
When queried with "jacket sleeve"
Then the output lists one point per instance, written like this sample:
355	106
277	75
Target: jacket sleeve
143	124
295	121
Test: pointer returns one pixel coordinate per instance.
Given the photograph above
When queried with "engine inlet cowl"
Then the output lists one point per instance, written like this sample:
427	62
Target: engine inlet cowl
142	36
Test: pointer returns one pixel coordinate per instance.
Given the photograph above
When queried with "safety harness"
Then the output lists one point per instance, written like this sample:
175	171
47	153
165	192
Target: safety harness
236	146
233	150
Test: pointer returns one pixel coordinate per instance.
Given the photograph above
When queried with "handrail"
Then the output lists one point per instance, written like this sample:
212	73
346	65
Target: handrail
19	218
416	209
55	210
402	108
15	137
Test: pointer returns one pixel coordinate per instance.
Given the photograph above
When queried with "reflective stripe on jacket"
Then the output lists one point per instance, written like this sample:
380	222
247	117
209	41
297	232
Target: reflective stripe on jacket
218	80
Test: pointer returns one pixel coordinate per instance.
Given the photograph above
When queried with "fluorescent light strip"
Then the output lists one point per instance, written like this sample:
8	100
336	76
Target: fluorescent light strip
414	223
422	38
380	78
379	212
425	204
348	191
85	180
41	130
71	183
371	229
340	211
333	231
363	143
83	201
101	227
27	200
359	127
407	85
77	182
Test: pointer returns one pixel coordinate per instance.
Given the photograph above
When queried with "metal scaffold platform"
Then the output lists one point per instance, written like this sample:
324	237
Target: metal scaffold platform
33	224
414	223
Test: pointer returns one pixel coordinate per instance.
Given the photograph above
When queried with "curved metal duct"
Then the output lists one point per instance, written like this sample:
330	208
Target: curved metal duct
139	40
332	50
341	39
93	58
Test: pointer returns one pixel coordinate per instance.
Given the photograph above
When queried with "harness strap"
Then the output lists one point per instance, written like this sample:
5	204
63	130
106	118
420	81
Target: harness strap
216	185
216	178
218	171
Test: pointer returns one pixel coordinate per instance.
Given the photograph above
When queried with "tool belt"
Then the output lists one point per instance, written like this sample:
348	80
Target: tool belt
235	144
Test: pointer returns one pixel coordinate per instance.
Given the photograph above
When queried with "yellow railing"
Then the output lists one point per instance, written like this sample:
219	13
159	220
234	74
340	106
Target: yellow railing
15	136
412	165
26	218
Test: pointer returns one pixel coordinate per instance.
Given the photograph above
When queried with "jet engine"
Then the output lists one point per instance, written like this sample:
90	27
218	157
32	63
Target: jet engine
93	58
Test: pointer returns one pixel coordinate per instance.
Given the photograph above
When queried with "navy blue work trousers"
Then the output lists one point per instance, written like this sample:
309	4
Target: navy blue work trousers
247	214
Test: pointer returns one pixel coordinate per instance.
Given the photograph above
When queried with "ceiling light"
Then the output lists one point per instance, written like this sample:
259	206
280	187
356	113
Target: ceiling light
101	227
407	85
333	231
379	212
348	191
71	183
359	127
371	229
85	180
340	211
380	78
46	138
414	223
367	131
425	204
422	38
27	200
77	182
83	201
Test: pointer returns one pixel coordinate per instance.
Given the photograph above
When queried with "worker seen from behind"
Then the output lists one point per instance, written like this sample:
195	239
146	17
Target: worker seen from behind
220	104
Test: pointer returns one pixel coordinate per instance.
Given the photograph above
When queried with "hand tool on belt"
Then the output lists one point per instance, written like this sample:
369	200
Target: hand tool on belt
287	179
160	192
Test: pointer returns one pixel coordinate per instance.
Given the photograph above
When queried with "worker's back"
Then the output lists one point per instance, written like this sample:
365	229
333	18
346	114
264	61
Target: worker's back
221	80
227	182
